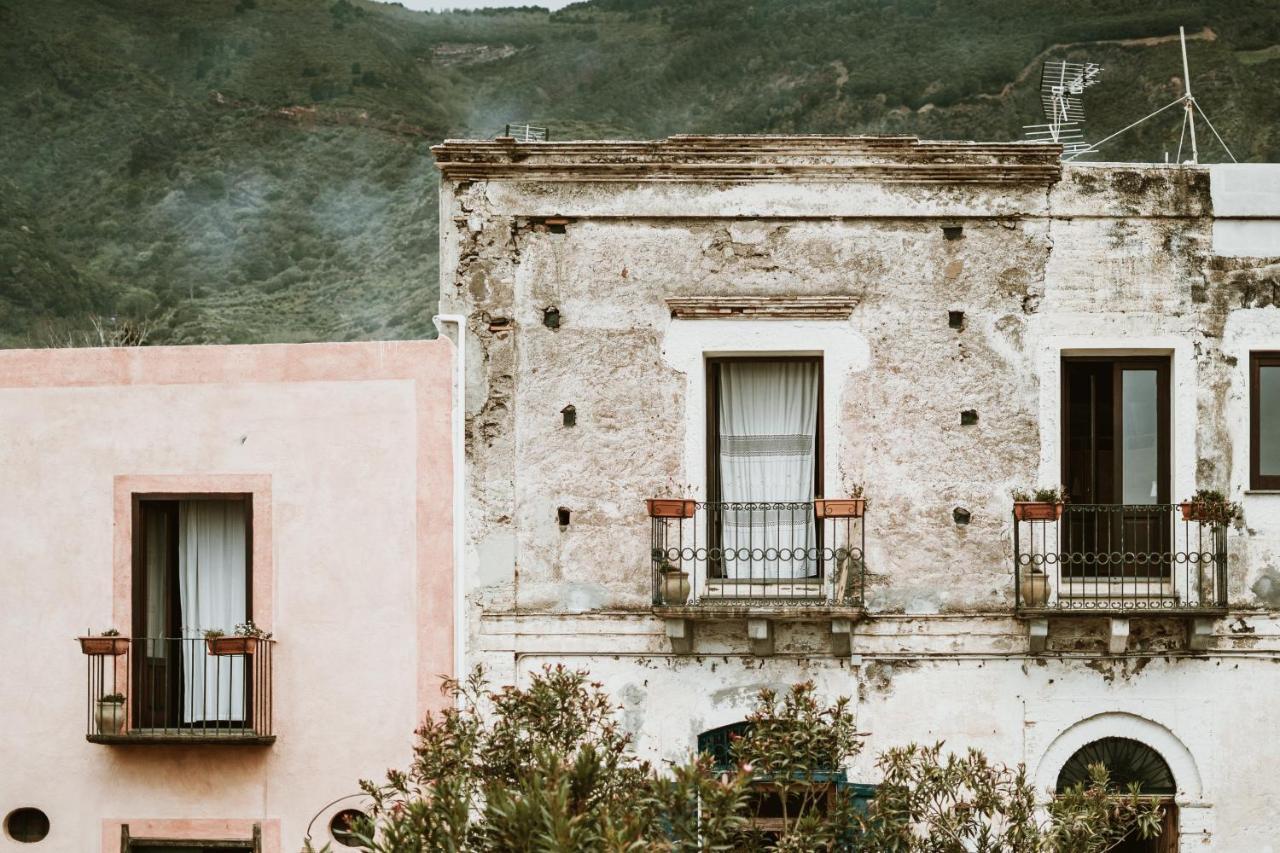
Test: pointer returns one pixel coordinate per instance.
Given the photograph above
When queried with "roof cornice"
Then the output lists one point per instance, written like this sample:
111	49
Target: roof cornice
812	159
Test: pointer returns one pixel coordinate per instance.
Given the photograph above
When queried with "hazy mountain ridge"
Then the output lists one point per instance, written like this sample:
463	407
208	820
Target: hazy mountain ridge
254	170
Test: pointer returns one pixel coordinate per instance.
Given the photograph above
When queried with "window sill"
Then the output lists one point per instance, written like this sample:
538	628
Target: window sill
1249	492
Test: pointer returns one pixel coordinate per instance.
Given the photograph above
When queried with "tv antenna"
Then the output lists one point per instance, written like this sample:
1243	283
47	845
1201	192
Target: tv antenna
1062	85
1190	106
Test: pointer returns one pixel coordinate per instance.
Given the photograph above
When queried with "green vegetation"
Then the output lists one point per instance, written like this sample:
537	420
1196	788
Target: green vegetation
550	767
258	170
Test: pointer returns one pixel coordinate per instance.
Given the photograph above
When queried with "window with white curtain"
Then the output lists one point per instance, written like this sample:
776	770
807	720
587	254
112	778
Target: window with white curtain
765	466
192	575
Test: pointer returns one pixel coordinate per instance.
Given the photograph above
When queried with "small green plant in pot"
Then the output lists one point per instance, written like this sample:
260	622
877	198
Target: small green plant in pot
1210	506
674	583
1039	504
108	642
243	642
109	715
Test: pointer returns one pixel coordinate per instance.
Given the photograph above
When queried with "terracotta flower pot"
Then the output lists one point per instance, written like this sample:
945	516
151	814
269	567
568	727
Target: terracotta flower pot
675	587
839	507
670	507
1037	511
234	645
1195	511
1034	589
111	646
109	717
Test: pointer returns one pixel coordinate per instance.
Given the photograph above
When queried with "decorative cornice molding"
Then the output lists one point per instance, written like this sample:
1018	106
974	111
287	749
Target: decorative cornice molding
801	159
762	307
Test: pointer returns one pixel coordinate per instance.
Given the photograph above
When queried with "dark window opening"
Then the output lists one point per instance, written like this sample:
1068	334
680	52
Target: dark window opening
1264	420
1129	762
1116	463
192	573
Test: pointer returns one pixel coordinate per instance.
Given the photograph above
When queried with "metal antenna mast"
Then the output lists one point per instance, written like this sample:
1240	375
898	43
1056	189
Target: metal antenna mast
1190	107
1188	101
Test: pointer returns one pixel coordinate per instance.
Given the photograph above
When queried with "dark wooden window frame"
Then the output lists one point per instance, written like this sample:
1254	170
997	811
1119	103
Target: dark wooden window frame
1164	405
713	364
1258	480
138	582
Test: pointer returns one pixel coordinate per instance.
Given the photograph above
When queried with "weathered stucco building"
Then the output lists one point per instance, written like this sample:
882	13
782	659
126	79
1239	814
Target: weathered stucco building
755	324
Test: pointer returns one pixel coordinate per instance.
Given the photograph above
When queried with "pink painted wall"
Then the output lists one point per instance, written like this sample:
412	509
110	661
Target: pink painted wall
346	449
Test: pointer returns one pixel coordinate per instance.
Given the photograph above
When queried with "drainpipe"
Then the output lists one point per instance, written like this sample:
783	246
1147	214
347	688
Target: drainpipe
459	486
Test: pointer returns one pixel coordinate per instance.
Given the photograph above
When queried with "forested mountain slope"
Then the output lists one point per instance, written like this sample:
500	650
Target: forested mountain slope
258	170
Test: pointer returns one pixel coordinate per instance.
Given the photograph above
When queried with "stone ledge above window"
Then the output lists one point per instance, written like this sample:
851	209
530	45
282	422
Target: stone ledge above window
762	307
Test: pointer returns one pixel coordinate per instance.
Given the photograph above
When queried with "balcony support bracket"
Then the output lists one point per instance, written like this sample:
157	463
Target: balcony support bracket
1038	635
760	633
1117	635
842	637
680	633
1199	634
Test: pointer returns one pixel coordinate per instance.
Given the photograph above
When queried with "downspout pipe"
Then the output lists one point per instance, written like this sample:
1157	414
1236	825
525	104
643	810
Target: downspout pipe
459	486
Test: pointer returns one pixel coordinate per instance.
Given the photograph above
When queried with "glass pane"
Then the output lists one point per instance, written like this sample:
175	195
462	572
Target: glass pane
1140	461
1269	419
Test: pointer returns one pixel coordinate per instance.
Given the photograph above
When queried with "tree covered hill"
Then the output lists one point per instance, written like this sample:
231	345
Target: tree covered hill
258	170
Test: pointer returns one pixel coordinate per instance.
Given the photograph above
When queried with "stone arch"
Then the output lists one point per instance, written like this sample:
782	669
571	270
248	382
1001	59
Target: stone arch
1182	764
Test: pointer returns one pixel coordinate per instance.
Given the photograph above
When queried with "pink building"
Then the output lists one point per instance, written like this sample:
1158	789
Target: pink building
163	492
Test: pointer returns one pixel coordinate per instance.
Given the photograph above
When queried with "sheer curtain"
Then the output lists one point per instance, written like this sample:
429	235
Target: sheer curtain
768	428
211	589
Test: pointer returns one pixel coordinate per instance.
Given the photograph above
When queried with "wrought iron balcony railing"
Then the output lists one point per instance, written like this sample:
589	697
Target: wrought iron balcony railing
742	553
178	690
1118	558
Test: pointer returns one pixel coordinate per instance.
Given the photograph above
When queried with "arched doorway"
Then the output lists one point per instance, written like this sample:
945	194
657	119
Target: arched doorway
1129	762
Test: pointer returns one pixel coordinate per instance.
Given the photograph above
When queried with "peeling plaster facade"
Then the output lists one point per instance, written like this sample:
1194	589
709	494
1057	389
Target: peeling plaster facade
1048	260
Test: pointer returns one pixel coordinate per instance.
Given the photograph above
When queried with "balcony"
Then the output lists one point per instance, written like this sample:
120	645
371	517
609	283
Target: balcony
1119	561
757	561
178	691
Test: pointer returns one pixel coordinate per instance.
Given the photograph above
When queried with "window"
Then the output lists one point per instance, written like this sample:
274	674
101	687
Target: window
764	465
1264	420
1116	466
1129	762
192	573
128	844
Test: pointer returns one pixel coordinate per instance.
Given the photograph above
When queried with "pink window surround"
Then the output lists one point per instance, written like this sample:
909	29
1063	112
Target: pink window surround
192	829
127	486
427	364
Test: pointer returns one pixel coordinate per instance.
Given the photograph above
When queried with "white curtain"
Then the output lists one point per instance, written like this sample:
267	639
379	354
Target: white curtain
768	429
211	588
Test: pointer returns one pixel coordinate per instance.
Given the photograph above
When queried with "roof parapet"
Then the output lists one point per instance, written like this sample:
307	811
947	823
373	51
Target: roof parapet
813	159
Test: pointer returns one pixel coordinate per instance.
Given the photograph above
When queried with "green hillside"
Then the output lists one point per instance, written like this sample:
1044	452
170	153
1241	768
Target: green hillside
258	170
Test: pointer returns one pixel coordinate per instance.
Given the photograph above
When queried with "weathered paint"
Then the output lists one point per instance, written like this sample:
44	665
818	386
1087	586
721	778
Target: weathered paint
1048	260
346	449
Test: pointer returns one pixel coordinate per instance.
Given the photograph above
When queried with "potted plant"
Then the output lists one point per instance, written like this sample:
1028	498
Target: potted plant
109	714
1039	504
853	506
1033	587
1210	505
670	507
108	642
243	642
674	584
